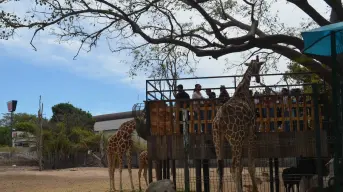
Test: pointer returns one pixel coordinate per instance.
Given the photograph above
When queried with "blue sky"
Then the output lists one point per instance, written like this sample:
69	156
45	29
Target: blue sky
24	81
95	81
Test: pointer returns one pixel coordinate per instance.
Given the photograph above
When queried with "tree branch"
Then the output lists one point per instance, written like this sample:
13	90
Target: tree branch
310	11
336	6
303	60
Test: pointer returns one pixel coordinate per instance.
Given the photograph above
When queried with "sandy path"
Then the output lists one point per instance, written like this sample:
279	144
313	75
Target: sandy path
29	179
80	179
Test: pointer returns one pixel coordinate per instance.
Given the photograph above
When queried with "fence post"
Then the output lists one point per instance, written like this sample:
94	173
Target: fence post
186	148
277	179
271	177
147	113
318	131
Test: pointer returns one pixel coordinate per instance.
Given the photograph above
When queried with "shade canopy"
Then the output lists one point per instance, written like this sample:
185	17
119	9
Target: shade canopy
318	41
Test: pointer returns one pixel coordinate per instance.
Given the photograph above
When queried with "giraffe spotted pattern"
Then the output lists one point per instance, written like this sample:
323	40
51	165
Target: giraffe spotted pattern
235	122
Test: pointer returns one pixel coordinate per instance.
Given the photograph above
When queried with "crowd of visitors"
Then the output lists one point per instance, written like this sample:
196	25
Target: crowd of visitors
269	108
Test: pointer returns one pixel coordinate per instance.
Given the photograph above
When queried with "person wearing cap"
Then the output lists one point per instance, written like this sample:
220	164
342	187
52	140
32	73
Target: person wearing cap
181	94
224	95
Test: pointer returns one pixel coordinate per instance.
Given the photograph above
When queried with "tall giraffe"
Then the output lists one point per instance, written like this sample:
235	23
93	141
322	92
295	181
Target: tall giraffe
119	144
235	122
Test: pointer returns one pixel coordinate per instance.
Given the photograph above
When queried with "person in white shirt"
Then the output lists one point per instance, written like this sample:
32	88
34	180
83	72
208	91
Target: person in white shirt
198	114
196	93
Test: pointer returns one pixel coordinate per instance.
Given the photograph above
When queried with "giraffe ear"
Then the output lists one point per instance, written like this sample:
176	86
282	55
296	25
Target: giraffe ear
246	64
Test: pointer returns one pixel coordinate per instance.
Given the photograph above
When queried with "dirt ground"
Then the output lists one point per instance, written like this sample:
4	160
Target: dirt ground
29	179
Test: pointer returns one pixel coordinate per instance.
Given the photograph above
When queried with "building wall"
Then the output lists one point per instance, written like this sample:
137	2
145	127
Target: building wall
109	125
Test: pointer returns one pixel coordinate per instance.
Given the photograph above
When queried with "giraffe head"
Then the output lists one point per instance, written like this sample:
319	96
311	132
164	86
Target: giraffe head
255	66
141	124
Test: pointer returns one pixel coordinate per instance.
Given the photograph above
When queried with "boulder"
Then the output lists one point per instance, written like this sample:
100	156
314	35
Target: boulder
164	185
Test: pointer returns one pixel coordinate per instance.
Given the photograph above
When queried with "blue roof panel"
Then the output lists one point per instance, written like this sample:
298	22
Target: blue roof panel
318	41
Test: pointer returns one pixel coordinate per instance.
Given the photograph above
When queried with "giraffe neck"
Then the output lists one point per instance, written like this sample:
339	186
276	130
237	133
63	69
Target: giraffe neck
131	126
242	91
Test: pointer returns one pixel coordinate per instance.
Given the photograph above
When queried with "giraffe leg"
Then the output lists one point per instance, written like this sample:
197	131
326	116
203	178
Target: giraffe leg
111	169
129	166
120	160
145	175
220	163
237	165
139	173
251	162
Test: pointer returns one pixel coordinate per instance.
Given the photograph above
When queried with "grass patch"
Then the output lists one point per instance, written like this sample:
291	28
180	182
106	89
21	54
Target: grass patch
8	149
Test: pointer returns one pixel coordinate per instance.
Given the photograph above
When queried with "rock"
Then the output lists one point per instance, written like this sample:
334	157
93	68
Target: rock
165	185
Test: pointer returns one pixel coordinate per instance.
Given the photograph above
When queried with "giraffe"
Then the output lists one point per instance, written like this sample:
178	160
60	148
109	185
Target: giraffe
143	163
119	144
235	122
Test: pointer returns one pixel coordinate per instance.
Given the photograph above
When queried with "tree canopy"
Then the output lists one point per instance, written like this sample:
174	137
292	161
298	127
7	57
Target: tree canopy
203	27
72	116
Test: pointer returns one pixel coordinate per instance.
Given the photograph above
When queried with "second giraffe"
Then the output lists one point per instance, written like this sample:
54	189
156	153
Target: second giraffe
235	122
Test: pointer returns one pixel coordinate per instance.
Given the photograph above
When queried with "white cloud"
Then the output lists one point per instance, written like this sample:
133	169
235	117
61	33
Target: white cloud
103	65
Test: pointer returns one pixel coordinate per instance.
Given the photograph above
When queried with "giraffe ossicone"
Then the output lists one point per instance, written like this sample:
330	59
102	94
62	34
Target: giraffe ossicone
235	122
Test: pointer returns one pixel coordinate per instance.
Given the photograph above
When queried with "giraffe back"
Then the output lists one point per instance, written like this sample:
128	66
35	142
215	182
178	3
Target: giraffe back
122	139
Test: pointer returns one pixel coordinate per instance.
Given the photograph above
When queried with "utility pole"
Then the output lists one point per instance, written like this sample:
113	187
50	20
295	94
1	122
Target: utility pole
11	107
40	143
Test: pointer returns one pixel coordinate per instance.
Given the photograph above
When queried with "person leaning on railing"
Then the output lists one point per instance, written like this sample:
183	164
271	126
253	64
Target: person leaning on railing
198	113
181	95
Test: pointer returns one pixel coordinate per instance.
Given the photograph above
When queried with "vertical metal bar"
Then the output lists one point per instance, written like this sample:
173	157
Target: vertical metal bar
197	175
150	170
168	169
11	130
271	177
160	170
147	112
174	173
206	173
277	180
318	139
186	146
164	169
335	116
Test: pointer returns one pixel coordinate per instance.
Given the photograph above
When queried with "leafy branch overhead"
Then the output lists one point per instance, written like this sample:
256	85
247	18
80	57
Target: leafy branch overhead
204	27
